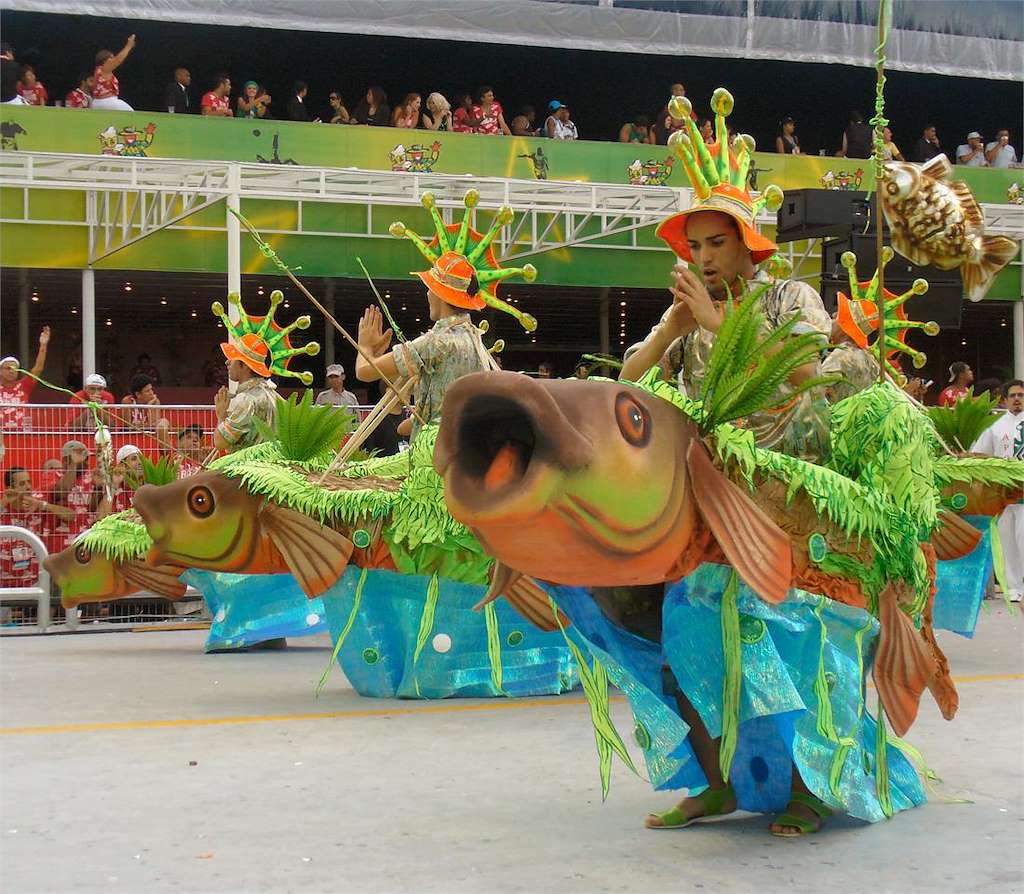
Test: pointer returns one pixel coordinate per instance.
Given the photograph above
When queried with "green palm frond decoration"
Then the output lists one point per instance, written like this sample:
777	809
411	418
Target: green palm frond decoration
746	368
963	423
120	537
304	430
163	471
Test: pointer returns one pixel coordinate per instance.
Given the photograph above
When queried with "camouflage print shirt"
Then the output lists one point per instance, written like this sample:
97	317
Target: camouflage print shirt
858	368
450	350
255	398
799	428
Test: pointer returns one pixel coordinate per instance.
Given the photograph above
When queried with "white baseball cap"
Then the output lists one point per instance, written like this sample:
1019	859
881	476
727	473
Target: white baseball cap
96	379
974	135
335	369
126	451
11	359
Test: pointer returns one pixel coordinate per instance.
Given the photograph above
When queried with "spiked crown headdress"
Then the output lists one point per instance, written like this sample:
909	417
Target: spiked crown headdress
464	271
260	343
858	315
718	174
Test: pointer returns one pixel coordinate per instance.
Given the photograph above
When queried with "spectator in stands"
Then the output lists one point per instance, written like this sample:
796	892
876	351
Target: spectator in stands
407	113
338	113
253	103
786	140
373	109
856	138
6	51
525	123
972	153
917	388
463	120
74	466
178	95
81	96
665	125
438	115
10	77
638	130
297	110
217	103
144	415
95	391
545	370
15	390
999	153
191	450
19	506
707	130
32	91
107	92
126	478
144	367
960	378
891	152
928	146
335	395
582	370
558	125
490	114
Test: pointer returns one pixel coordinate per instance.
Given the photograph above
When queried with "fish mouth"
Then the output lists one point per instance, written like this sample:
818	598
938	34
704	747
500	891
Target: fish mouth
503	447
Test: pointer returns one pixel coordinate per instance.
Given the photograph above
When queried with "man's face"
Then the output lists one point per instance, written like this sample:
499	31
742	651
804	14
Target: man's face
90	83
189	441
930	135
224	89
718	252
76	456
1015	399
21	483
975	142
145	395
236	370
1003	137
563	114
678	90
335	382
184	77
8	373
436	306
94	392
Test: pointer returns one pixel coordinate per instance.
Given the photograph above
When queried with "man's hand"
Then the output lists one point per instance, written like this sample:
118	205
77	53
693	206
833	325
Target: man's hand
691	292
154	401
44	337
220	403
372	337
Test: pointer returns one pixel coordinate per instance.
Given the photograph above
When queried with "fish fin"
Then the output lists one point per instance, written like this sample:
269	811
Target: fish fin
954	538
904	666
968	204
759	550
159	579
996	253
904	243
315	554
525	595
938	168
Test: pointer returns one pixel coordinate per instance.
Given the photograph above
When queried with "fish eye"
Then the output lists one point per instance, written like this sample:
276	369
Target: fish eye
82	554
633	419
200	502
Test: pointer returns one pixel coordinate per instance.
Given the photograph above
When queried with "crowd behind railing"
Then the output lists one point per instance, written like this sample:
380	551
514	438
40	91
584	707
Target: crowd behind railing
476	113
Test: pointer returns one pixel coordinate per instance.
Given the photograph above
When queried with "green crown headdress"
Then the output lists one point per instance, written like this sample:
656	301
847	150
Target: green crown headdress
858	315
721	163
475	248
266	332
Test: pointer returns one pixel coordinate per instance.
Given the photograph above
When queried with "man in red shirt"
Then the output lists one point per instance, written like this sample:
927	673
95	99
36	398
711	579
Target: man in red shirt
216	102
191	450
961	377
31	91
73	486
95	391
19	566
81	96
15	390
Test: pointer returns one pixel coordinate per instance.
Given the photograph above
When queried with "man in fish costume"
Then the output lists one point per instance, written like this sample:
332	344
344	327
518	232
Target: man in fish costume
464	276
794	578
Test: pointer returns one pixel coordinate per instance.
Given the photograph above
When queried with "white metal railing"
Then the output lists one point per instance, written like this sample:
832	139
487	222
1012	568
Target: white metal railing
39	592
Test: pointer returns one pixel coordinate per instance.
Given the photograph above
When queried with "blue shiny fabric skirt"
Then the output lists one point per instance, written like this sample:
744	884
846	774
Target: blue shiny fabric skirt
961	584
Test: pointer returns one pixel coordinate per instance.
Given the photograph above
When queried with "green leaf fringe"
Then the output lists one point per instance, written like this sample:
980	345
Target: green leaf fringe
120	537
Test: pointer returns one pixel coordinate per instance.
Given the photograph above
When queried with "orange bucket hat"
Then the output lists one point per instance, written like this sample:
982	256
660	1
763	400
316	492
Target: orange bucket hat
718	174
251	350
453	279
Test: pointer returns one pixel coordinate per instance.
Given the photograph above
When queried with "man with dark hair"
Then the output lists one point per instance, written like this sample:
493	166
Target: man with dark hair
216	102
177	96
81	96
1005	439
927	147
999	153
191	450
856	138
144	413
297	110
10	77
20	507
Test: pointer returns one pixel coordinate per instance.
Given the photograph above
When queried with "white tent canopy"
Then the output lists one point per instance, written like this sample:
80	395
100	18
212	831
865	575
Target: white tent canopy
964	38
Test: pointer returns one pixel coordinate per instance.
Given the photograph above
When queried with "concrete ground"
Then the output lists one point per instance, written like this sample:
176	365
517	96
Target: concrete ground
133	762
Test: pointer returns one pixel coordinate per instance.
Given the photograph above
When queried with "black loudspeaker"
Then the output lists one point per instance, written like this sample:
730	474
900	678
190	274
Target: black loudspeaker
942	302
816	213
865	247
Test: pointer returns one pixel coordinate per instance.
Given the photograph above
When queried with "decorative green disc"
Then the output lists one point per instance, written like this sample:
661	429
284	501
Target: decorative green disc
371	656
643	738
515	638
817	548
361	538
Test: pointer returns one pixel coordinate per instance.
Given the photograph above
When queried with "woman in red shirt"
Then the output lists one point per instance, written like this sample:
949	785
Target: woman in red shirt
490	114
106	93
464	120
407	114
31	91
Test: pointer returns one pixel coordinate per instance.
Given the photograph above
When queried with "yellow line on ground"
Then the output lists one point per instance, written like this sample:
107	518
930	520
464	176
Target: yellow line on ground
446	707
